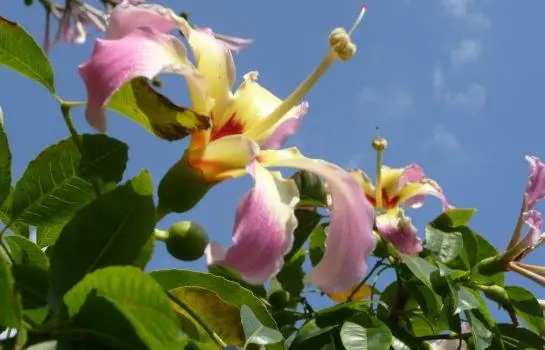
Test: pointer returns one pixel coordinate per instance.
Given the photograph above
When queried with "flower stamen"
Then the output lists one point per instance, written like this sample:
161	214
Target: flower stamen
341	47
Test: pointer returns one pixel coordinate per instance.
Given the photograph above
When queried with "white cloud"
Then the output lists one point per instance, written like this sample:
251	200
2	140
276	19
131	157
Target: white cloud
467	51
463	10
391	102
473	97
438	79
445	141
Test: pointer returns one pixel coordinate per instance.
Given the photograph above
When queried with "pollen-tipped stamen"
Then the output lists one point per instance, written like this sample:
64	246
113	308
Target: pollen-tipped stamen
379	144
340	48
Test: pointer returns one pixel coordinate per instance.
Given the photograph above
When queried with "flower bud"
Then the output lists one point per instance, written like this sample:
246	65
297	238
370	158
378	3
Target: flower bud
186	240
279	299
491	266
181	188
496	293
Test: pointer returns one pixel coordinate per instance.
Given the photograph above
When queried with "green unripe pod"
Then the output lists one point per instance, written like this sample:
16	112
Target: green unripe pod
491	266
279	299
181	188
186	240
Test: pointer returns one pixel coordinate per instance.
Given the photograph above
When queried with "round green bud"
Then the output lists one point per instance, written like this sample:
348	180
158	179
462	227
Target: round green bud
279	299
29	2
186	240
181	188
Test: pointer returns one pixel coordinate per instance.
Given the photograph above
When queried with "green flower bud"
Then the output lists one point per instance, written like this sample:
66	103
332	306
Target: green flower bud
496	293
181	188
279	299
29	2
491	266
186	240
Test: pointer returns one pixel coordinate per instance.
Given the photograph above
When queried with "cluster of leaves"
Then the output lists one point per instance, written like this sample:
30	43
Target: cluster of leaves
79	280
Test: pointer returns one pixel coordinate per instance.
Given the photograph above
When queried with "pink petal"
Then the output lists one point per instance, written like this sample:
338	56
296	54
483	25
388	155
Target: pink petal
413	193
350	237
412	173
535	190
263	231
143	53
125	18
399	230
288	126
533	238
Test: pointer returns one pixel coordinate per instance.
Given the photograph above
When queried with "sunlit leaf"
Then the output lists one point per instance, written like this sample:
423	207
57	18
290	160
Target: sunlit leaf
156	113
220	316
139	299
255	331
20	52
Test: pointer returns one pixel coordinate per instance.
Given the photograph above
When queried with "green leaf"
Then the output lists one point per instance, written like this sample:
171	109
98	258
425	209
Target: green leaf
340	312
17	228
156	113
312	336
20	52
516	338
420	268
5	163
137	296
291	275
47	235
356	337
317	244
103	158
527	307
486	250
229	291
220	316
54	185
255	331
445	246
10	300
453	218
30	271
112	230
481	335
146	253
311	189
307	221
232	275
465	299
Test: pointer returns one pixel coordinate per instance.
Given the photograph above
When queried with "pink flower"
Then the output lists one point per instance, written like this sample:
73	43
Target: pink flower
74	20
398	186
398	229
248	128
535	190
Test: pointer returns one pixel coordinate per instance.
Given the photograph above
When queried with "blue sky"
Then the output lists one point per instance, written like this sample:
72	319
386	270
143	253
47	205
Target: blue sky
454	85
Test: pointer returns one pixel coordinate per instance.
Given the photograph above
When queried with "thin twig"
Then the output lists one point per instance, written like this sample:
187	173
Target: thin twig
65	109
377	265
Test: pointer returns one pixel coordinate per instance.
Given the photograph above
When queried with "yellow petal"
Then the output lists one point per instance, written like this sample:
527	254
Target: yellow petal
215	63
224	158
390	180
250	104
364	181
340	297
